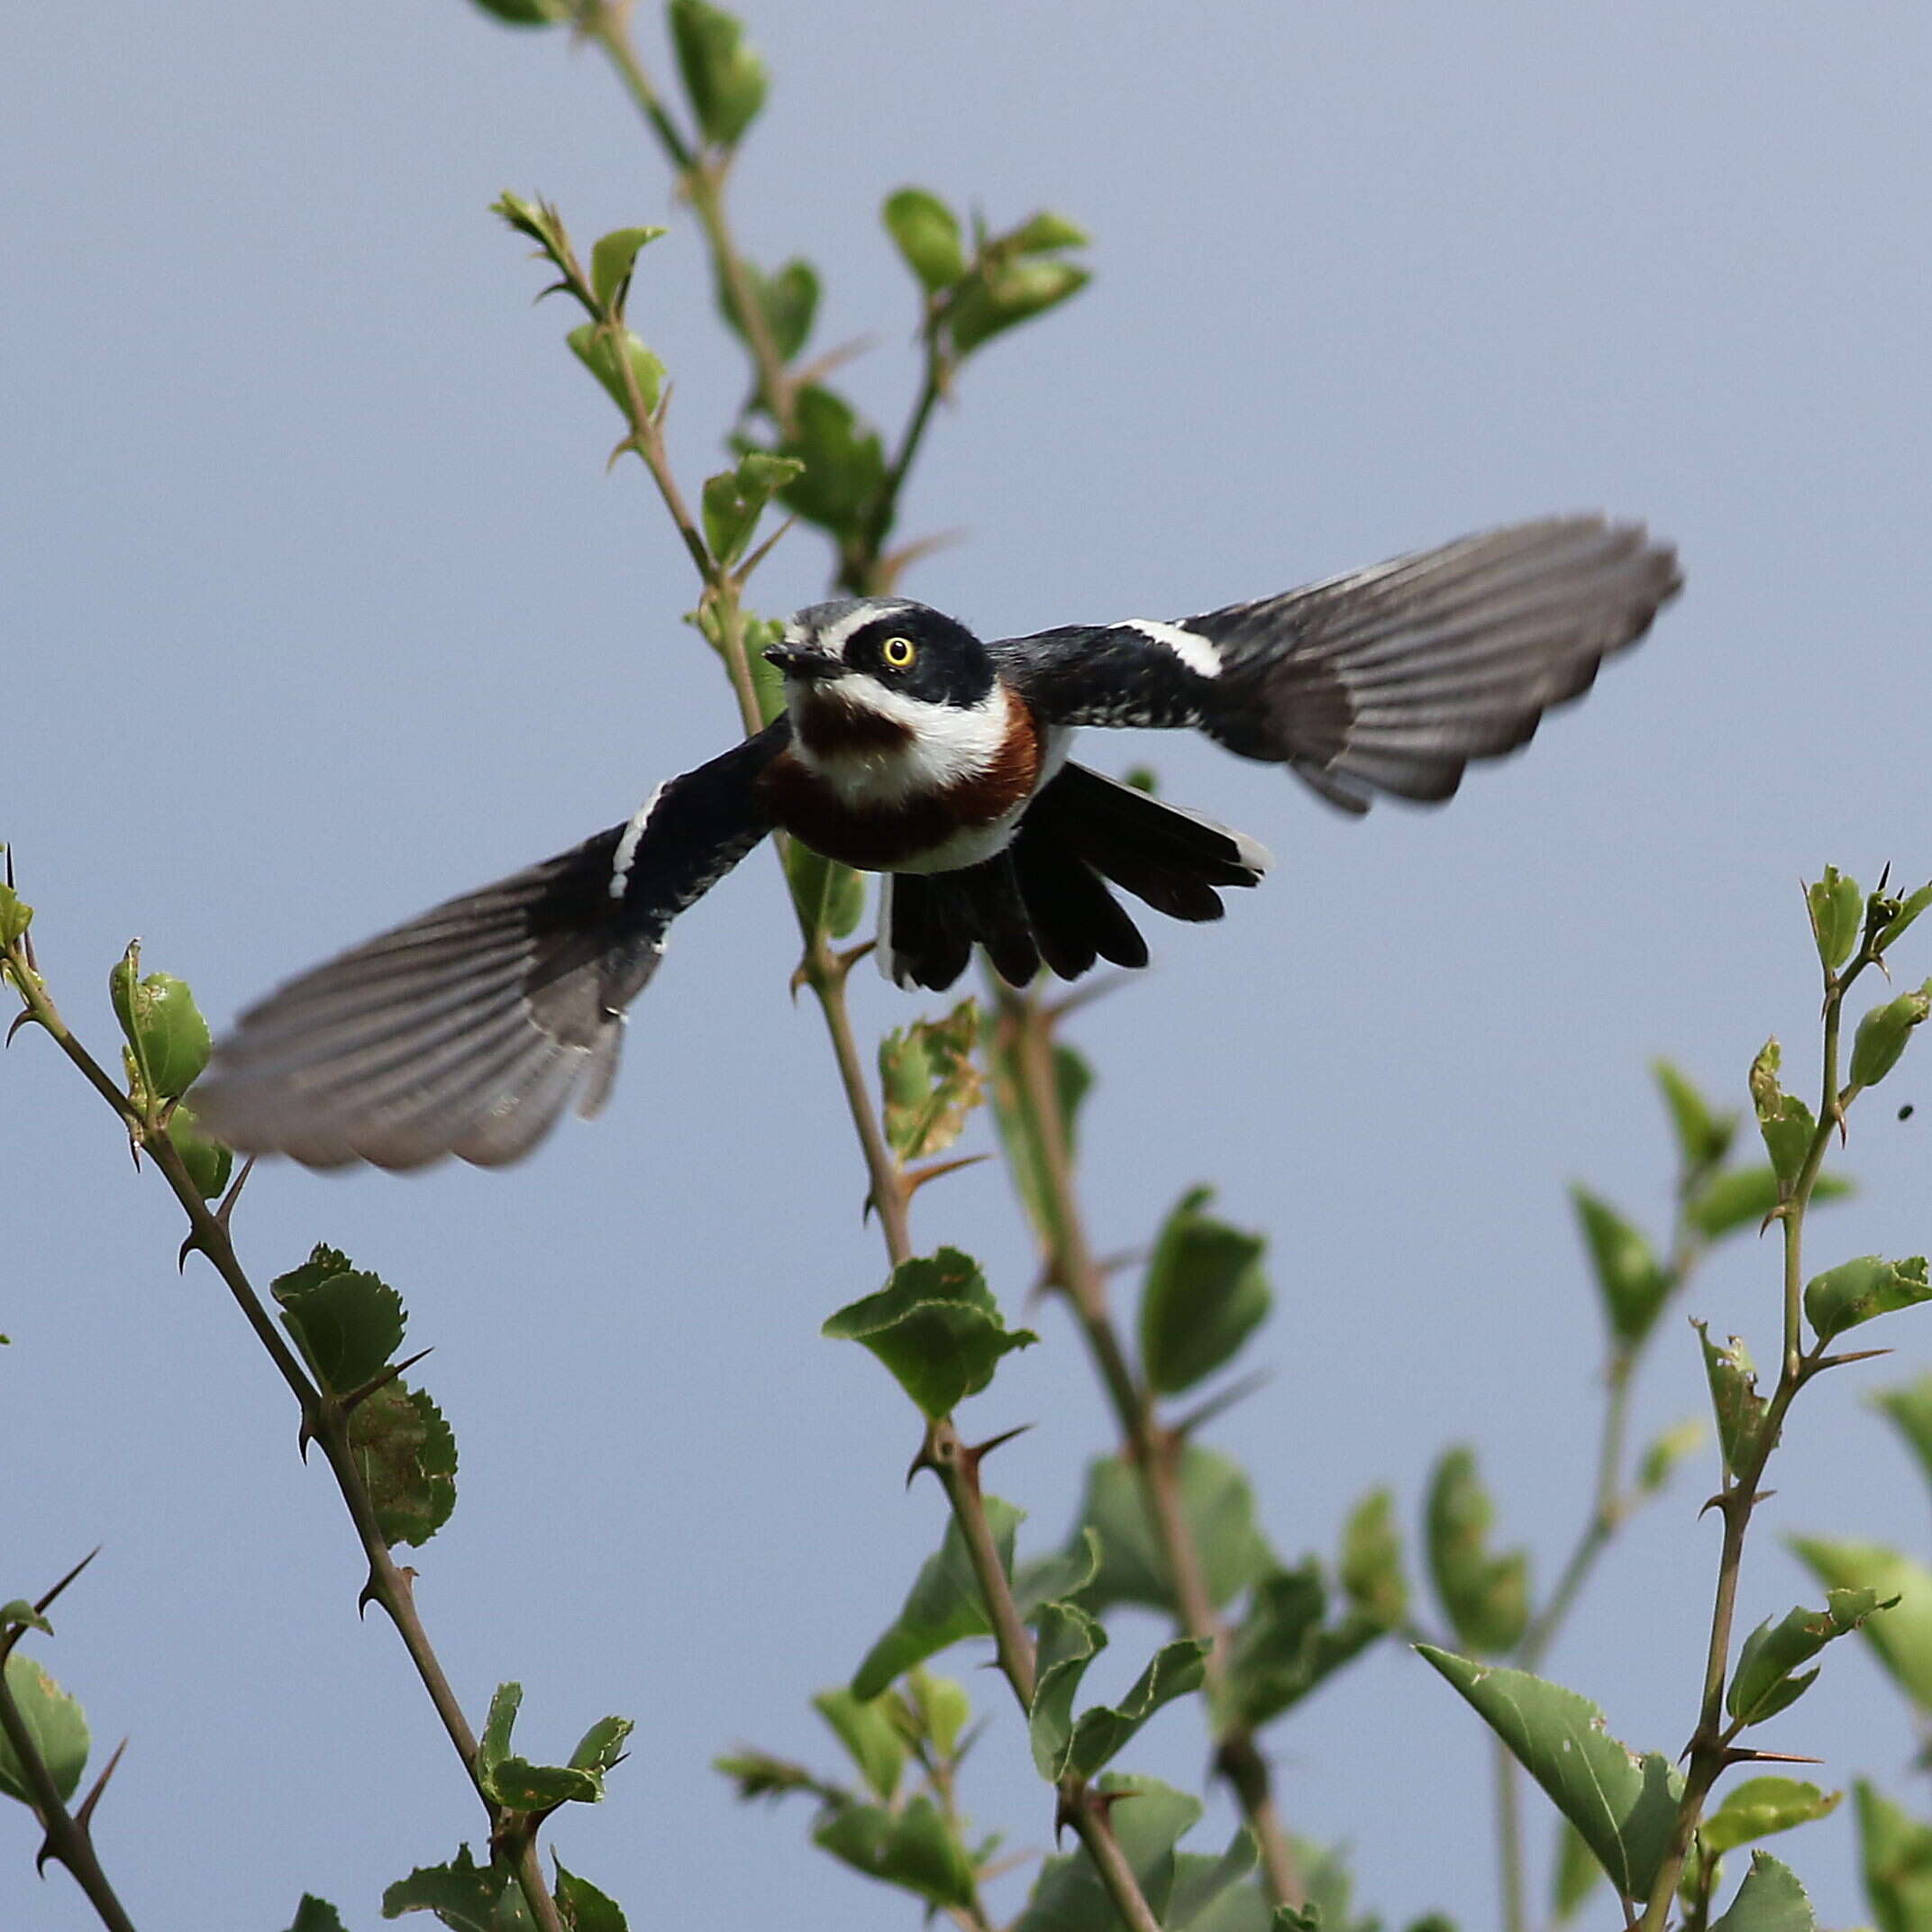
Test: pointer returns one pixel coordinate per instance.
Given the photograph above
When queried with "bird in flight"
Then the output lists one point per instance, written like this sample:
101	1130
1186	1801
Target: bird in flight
910	748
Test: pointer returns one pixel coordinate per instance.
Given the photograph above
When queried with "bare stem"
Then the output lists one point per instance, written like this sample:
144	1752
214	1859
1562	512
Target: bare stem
1155	1452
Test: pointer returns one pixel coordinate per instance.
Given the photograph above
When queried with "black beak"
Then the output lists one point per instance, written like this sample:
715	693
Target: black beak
806	662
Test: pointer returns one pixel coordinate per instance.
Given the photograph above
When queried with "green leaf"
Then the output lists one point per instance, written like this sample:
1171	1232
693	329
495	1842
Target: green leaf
1895	1855
1633	1286
1665	1451
844	462
315	1915
1061	1574
602	1745
1784	1119
830	896
612	259
1902	1637
1204	1294
1044	233
1069	1639
208	1162
1577	1873
723	76
943	1607
1218	1505
1485	1598
734	499
872	1739
463	1894
1068	1897
1770	1900
1208	1894
1744	1196
582	1906
1764	1681
592	343
930	1082
940	1709
494	1746
346	1324
1909	1406
22	1614
1372	1560
1908	910
1624	1806
407	1457
1733	1398
1883	1032
1837	907
759	1774
526	13
1855	1292
15	915
1760	1806
912	1849
1022	1132
994	296
526	1787
788	301
936	1326
1703	1137
163	1025
1283	1649
926	233
56	1723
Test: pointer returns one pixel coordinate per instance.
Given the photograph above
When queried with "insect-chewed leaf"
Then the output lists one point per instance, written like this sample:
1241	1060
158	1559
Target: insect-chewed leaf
55	1721
1064	1745
943	1607
1733	1398
1902	1636
582	1908
600	1747
1741	1196
315	1915
1856	1291
407	1455
1770	1900
930	1081
1486	1597
1783	1118
1760	1806
1204	1294
164	1026
463	1894
734	499
347	1324
1623	1806
936	1326
1766	1678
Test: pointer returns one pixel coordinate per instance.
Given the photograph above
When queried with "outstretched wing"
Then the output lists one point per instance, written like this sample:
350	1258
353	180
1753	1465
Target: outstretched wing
1388	680
466	1031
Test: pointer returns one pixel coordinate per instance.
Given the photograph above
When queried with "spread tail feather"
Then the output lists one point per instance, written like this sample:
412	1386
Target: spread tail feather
1046	898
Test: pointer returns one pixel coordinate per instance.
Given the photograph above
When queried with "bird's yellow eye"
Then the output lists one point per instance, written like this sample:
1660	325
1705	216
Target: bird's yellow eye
898	653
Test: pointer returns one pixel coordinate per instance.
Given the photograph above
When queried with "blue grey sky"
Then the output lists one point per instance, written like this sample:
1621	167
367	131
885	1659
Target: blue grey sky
321	607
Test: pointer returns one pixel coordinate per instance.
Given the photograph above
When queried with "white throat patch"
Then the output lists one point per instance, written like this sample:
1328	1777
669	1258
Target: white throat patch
945	744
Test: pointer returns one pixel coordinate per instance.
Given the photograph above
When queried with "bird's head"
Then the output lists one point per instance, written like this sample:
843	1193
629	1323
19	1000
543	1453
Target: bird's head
882	655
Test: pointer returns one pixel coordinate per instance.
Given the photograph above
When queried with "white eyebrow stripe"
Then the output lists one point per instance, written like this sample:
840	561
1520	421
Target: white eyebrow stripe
836	636
1201	654
620	869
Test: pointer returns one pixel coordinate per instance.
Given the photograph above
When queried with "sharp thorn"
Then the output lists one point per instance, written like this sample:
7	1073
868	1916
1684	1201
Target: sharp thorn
357	1397
801	978
368	1595
1721	1500
1062	1816
234	1191
1216	1405
42	1606
1859	1355
978	1453
916	1181
20	1020
304	1436
40	1857
190	1241
83	1817
854	954
1739	1755
764	549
